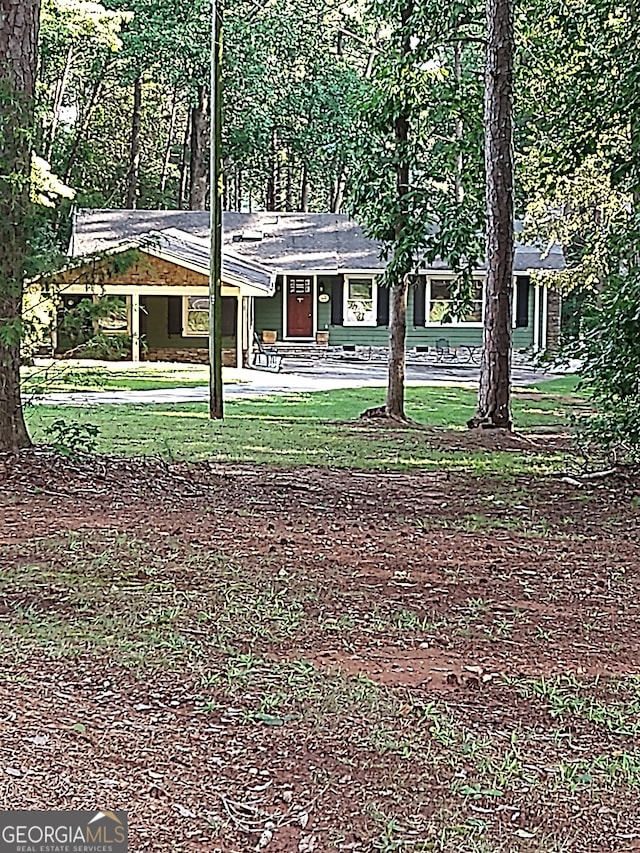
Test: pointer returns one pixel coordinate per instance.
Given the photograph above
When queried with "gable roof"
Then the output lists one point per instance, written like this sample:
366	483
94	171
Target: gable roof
176	246
301	242
184	250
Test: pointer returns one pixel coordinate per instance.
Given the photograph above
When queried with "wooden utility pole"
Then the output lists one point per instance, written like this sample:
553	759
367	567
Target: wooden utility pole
215	275
494	390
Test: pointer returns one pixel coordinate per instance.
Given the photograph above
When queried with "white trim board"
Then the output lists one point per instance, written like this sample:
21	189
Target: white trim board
145	290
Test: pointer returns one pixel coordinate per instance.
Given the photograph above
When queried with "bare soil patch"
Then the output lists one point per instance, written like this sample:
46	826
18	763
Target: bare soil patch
550	440
318	660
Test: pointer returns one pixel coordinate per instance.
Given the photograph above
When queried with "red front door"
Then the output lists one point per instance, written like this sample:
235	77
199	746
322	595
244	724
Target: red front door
299	307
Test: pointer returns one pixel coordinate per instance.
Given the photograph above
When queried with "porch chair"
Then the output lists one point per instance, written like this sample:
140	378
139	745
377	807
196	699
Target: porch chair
444	350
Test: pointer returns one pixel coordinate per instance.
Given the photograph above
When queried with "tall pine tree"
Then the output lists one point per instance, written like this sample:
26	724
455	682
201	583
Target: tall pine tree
19	21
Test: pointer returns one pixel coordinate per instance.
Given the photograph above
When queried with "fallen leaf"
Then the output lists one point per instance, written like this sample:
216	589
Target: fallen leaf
269	719
267	835
182	811
38	740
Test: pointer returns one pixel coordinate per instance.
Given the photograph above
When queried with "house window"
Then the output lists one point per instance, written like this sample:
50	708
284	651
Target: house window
195	316
300	286
440	303
360	297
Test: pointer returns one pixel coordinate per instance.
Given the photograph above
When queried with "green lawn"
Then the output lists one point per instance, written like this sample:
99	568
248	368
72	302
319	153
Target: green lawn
568	385
38	380
314	429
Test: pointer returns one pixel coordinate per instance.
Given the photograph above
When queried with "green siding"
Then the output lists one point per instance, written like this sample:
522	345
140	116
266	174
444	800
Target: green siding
426	336
268	311
523	337
157	335
325	285
268	315
157	322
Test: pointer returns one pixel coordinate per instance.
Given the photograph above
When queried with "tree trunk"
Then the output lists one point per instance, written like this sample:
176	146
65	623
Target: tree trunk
304	190
133	174
226	189
19	20
289	184
270	195
494	391
399	286
199	162
168	147
61	87
184	158
238	190
216	390
86	120
397	337
337	194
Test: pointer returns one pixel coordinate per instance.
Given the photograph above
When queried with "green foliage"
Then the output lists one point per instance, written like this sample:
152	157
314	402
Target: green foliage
11	331
435	85
106	348
610	354
292	82
71	438
47	188
84	329
579	142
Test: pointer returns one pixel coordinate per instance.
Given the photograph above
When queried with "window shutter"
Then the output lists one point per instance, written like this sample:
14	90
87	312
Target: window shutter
229	316
522	302
174	315
383	306
419	302
337	301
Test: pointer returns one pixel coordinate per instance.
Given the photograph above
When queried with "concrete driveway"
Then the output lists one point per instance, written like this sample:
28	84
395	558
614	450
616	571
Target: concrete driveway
296	376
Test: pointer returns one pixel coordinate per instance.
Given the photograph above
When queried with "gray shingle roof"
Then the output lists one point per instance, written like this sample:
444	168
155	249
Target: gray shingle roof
192	251
281	241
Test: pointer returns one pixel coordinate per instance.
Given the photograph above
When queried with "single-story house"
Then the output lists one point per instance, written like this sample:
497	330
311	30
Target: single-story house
306	278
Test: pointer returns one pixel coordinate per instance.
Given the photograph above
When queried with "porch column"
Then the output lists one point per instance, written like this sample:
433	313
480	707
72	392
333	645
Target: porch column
545	316
54	332
536	318
135	327
239	335
251	325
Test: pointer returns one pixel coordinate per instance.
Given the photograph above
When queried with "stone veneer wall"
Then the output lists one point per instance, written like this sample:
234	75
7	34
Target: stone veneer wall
554	312
188	356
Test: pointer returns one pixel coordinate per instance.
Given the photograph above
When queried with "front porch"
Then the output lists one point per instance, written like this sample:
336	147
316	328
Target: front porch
150	327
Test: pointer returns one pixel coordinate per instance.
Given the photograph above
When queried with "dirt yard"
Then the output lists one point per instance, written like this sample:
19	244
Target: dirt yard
293	661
